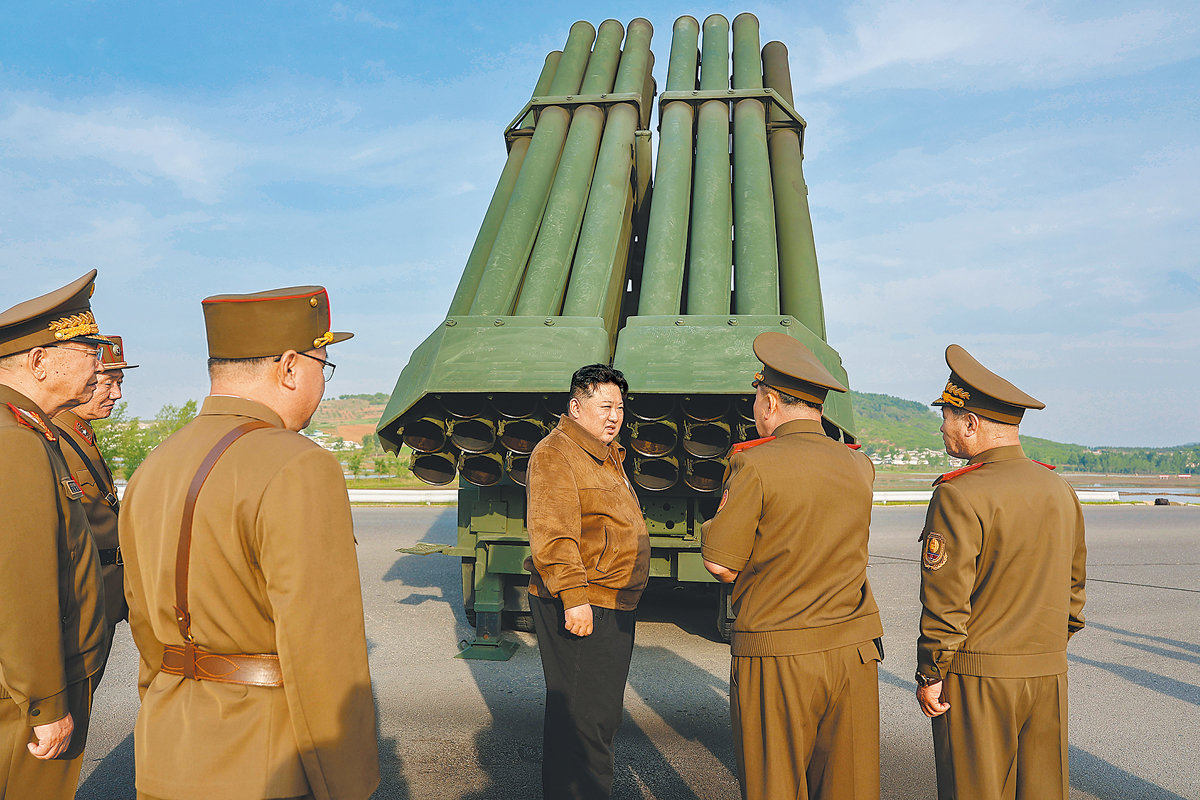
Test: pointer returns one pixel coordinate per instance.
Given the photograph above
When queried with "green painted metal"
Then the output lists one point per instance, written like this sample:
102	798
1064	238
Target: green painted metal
667	231
506	262
546	277
799	279
468	284
755	259
710	261
597	273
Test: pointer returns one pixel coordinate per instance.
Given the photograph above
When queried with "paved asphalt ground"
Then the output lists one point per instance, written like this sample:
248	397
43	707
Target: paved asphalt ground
469	729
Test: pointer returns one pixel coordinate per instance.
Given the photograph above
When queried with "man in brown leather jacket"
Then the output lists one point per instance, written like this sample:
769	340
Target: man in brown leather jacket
1003	567
590	562
53	636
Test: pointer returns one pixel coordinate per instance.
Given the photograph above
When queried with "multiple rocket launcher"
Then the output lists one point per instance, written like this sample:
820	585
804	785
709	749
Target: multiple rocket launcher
574	264
582	259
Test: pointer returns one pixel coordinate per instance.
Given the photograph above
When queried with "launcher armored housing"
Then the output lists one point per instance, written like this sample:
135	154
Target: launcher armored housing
578	262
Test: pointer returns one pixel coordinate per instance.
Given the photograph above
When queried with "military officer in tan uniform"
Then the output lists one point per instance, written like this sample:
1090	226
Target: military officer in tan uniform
242	578
790	533
1002	590
53	636
93	476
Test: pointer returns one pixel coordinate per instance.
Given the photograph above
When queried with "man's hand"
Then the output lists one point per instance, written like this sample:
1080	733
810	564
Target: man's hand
579	620
53	738
931	700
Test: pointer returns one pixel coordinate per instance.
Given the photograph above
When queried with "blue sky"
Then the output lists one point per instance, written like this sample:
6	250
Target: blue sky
1019	178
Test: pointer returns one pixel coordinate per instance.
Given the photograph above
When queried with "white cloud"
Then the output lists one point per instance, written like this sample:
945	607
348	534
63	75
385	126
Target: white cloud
342	12
977	45
142	147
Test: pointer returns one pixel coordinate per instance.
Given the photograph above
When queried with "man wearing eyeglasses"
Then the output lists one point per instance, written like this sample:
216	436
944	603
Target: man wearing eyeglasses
90	471
242	578
53	635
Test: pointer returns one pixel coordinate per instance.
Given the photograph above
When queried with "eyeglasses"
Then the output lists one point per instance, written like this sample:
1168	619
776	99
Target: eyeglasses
90	352
327	366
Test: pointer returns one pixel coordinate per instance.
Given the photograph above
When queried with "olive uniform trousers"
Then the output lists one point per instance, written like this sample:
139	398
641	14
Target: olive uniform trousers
1002	739
807	726
21	775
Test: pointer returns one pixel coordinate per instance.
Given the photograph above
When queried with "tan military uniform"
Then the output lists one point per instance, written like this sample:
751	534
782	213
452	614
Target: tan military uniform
273	569
804	697
53	636
1002	589
100	501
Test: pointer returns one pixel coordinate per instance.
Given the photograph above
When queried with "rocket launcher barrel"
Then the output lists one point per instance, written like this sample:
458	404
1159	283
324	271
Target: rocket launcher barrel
425	435
706	439
506	264
667	230
522	435
517	466
477	435
799	282
653	439
710	263
753	232
437	469
481	469
656	474
596	282
546	277
703	475
468	284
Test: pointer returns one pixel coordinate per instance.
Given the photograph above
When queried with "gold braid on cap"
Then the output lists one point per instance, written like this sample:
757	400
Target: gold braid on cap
955	395
75	325
322	340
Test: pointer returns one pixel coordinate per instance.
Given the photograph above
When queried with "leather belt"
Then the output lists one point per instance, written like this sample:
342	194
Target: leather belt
111	556
246	669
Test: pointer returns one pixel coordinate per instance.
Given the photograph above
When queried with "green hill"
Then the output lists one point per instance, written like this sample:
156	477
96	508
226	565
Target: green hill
891	428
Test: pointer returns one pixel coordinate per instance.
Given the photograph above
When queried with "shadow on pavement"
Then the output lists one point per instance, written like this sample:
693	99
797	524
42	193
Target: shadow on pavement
1107	781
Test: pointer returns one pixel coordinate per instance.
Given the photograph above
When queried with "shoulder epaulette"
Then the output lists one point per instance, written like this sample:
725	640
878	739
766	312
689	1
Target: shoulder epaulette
854	446
949	476
32	421
1043	463
741	447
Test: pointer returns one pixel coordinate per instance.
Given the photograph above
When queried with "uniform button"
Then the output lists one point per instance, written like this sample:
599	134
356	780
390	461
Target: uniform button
35	712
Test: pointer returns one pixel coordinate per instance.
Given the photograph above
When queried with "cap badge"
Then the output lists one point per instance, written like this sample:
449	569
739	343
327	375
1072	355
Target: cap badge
74	325
116	348
955	395
323	339
935	553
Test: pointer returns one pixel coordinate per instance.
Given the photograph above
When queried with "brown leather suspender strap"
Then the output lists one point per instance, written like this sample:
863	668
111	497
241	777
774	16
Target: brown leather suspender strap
183	557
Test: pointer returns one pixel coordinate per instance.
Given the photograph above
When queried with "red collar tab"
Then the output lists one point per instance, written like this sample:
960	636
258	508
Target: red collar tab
949	476
85	432
742	447
31	420
1043	463
854	446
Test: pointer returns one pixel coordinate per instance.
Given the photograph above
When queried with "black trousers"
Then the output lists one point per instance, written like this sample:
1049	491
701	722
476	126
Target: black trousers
585	692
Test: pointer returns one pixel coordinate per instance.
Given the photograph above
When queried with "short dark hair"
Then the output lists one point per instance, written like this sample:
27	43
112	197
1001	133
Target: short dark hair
237	367
586	379
791	400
